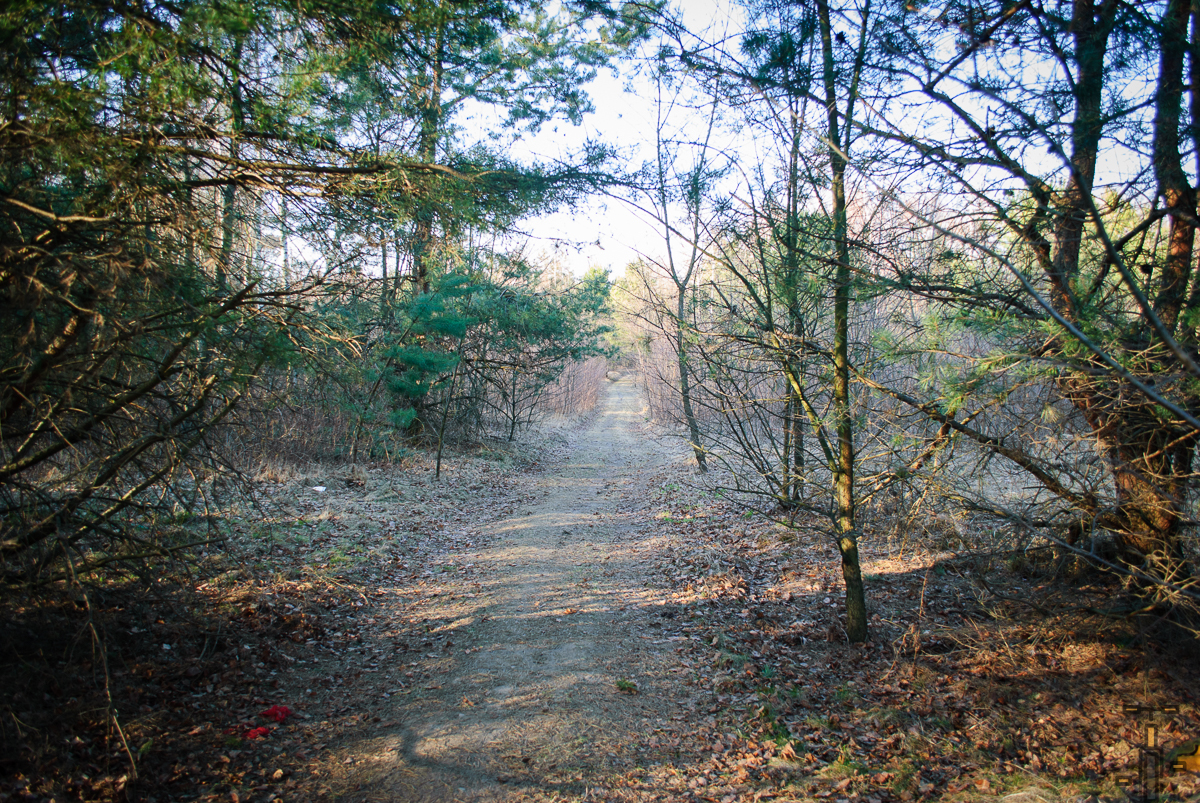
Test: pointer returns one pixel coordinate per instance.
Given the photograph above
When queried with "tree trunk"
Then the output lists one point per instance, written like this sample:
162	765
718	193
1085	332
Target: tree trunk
1149	458
1151	464
797	447
512	409
682	282
789	415
189	252
437	473
284	234
397	288
793	452
685	389
383	268
1091	24
427	147
843	478
226	263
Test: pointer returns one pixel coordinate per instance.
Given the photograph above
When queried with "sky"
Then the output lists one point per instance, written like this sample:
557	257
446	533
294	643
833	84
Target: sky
605	231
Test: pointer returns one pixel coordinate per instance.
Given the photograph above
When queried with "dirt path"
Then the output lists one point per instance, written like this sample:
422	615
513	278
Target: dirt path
480	638
531	690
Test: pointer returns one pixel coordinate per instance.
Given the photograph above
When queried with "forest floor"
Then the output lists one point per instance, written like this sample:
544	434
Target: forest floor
578	620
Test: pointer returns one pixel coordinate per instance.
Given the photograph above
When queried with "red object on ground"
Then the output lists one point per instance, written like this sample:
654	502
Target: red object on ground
277	712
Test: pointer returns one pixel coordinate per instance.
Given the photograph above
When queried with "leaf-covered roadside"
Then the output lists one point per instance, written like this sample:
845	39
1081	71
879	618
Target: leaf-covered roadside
322	608
961	695
280	623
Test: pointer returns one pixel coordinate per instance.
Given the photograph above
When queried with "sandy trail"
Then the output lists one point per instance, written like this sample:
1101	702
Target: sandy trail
525	703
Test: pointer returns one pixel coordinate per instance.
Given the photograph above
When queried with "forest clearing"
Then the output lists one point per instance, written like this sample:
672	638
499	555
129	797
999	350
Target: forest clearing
599	400
581	622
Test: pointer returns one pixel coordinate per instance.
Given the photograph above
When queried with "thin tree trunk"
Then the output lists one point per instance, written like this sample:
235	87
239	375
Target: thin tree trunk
786	495
437	474
226	263
189	254
396	277
685	389
427	147
383	267
284	235
793	452
843	479
682	283
512	408
797	448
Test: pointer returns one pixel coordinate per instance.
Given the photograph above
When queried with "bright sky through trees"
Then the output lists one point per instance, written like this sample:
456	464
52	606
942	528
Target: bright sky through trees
607	232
